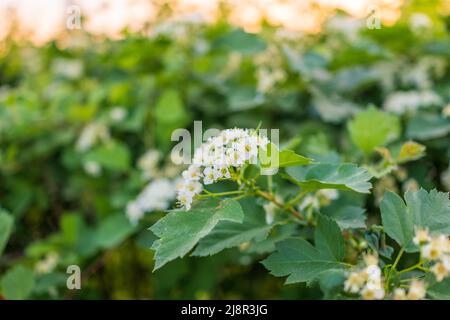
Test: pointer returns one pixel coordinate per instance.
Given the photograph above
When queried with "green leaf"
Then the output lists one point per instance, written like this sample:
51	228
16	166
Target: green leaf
18	283
427	126
328	238
422	209
179	231
331	283
440	290
240	41
289	158
169	108
6	224
331	176
397	220
286	158
170	114
298	259
373	128
229	234
114	156
113	231
430	210
347	217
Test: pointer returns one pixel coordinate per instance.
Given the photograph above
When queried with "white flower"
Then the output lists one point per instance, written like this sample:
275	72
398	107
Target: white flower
355	282
185	200
92	168
157	195
48	264
419	21
192	173
421	236
374	273
446	262
208	175
440	271
192	188
375	293
399	294
117	114
91	134
403	101
148	163
222	172
417	290
134	212
435	249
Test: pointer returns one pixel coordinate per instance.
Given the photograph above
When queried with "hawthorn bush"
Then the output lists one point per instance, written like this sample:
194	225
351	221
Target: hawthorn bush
358	207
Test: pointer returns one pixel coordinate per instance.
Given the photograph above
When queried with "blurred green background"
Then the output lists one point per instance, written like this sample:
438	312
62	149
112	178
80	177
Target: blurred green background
85	125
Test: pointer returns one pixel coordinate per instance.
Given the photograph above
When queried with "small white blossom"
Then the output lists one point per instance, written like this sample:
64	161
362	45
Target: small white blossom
148	163
417	290
92	168
92	134
421	236
157	195
117	114
47	264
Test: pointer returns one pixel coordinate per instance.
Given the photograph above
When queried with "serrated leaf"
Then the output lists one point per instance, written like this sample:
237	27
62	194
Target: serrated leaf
331	283
430	210
18	283
331	176
347	217
422	209
299	260
328	238
6	224
373	128
229	234
397	220
180	231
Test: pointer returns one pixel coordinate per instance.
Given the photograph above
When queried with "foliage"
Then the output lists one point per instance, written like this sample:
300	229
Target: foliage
364	148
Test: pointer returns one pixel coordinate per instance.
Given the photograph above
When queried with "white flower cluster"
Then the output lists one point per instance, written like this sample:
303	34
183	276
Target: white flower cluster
367	282
436	249
402	101
417	291
217	159
157	195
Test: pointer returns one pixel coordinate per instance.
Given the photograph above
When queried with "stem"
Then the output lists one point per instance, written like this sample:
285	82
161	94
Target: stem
388	278
297	198
272	199
269	183
402	250
220	194
418	265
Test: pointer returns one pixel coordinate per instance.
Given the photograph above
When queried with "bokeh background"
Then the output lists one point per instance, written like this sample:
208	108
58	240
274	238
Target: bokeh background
87	110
